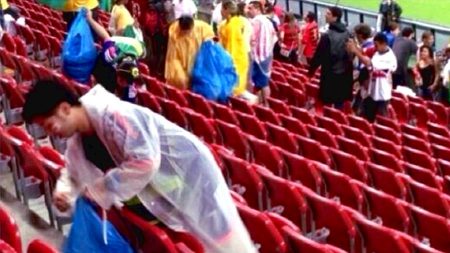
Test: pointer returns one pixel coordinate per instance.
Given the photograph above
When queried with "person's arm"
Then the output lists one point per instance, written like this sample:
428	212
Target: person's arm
351	47
319	55
436	76
99	29
138	140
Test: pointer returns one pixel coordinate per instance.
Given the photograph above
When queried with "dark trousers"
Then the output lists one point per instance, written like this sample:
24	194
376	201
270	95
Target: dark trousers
372	108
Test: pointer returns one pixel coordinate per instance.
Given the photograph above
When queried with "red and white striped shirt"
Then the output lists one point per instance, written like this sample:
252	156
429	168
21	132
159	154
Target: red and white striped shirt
263	39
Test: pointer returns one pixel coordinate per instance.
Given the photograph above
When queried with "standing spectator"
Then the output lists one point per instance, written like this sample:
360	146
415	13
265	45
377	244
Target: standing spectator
392	33
186	35
120	18
404	47
445	75
155	27
232	37
216	17
390	11
426	73
427	39
382	64
290	37
262	43
363	34
72	7
310	36
336	77
184	7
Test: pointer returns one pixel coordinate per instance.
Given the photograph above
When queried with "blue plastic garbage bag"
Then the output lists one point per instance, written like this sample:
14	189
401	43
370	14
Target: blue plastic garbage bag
79	52
86	233
213	75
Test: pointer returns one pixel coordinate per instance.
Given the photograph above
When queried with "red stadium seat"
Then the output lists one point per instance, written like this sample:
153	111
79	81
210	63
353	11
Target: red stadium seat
201	126
224	113
434	228
39	246
9	232
302	170
146	99
323	136
176	96
284	198
293	125
312	149
282	138
252	125
349	165
199	104
234	139
265	114
341	188
262	231
360	123
377	238
244	180
267	155
386	207
354	148
386	180
429	199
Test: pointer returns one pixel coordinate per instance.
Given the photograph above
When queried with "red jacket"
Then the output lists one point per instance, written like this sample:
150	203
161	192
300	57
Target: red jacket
310	39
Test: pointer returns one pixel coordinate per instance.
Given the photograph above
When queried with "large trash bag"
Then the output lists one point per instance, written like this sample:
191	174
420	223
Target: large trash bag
87	234
55	4
79	52
213	75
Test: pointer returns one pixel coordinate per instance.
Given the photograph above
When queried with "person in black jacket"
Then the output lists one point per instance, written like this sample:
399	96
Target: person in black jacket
336	80
390	11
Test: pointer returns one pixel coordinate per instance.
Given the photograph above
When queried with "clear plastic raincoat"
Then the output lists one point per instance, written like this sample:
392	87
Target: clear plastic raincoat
170	170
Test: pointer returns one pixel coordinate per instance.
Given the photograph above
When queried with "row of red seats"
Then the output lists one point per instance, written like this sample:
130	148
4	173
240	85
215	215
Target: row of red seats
165	106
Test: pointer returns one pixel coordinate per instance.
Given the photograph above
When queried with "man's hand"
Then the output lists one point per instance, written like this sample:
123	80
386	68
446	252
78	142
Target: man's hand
61	200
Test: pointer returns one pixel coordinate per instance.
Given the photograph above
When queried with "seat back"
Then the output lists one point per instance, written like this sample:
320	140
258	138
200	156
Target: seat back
9	232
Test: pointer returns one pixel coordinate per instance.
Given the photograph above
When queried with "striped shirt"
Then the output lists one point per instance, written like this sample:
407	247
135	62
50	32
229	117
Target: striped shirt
263	38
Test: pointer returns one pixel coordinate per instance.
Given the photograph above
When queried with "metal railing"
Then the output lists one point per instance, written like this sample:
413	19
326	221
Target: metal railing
353	16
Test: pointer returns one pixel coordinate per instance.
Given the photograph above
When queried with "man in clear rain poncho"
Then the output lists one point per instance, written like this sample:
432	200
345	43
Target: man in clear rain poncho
121	154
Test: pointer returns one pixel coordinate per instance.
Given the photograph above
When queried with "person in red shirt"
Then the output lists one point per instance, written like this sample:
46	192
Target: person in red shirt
289	38
310	36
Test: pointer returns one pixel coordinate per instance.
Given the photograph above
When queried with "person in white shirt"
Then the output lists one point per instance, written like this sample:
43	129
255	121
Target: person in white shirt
184	7
445	74
381	66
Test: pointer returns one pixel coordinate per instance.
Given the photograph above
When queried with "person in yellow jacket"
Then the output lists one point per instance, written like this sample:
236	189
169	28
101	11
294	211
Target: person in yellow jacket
186	35
232	36
72	7
120	18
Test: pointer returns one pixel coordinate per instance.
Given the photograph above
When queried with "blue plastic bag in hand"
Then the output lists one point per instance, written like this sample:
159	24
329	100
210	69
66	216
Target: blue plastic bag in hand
79	52
86	233
213	74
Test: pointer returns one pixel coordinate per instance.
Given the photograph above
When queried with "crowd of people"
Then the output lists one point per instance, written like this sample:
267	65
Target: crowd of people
162	172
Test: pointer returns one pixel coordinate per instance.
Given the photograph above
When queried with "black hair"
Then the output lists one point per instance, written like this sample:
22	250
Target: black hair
268	8
364	30
257	5
310	16
407	31
430	50
336	12
186	23
426	35
44	97
241	8
380	38
393	26
230	6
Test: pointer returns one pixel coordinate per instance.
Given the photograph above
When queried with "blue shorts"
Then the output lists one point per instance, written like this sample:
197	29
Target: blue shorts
261	73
